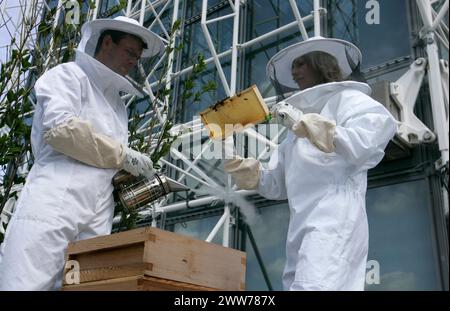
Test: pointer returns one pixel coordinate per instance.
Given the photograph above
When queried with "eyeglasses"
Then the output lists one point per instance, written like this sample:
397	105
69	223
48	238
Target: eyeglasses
130	53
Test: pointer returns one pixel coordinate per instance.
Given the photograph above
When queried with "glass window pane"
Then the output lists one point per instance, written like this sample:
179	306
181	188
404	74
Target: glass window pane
387	40
379	39
269	231
401	237
200	229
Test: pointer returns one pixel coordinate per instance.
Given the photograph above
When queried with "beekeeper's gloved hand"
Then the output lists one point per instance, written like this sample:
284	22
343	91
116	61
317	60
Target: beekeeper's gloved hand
284	114
244	171
137	163
316	128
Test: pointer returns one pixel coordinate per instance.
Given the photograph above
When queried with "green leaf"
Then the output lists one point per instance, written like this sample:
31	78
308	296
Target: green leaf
189	84
209	86
11	96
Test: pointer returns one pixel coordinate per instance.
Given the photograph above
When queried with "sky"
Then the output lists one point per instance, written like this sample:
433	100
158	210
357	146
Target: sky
12	8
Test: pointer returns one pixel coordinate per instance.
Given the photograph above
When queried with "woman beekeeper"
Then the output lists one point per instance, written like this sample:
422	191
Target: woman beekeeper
79	139
337	133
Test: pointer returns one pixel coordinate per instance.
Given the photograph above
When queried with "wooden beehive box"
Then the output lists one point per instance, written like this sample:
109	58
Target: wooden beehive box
154	259
244	109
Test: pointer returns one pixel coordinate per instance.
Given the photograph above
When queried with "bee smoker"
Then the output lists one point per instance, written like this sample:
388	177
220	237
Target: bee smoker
135	192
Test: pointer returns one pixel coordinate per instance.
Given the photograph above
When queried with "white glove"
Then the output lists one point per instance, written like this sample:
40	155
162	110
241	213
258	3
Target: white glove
284	114
319	130
137	163
244	171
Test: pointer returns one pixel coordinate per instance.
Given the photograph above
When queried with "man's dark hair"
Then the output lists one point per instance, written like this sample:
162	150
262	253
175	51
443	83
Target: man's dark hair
116	36
324	64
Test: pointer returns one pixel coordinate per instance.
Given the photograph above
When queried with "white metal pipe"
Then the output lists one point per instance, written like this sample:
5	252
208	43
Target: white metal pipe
216	228
442	23
230	2
274	32
212	49
220	18
142	12
95	14
207	61
440	16
234	50
434	77
161	59
188	174
425	11
160	13
161	25
129	101
298	17
437	98
442	39
193	203
202	201
226	226
172	45
317	18
129	3
201	130
197	158
194	168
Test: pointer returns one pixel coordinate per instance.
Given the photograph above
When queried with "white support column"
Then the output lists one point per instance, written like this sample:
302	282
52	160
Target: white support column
171	55
440	16
130	2
142	12
316	13
298	17
212	49
227	223
95	14
234	48
440	116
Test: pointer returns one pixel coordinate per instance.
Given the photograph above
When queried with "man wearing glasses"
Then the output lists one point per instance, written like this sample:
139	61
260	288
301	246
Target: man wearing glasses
79	140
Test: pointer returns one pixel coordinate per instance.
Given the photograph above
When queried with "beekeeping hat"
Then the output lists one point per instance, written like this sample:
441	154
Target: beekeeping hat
91	31
279	66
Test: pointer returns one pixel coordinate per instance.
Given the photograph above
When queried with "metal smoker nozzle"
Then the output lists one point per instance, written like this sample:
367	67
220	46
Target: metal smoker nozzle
175	186
146	190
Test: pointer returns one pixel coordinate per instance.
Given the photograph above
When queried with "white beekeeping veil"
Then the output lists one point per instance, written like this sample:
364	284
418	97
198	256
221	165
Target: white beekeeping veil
154	46
91	31
279	66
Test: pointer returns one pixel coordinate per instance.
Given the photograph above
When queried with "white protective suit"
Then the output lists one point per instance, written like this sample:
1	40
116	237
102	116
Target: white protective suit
64	199
327	241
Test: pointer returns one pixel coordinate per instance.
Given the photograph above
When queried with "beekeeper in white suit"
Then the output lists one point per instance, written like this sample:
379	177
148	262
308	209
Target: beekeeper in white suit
336	133
79	140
